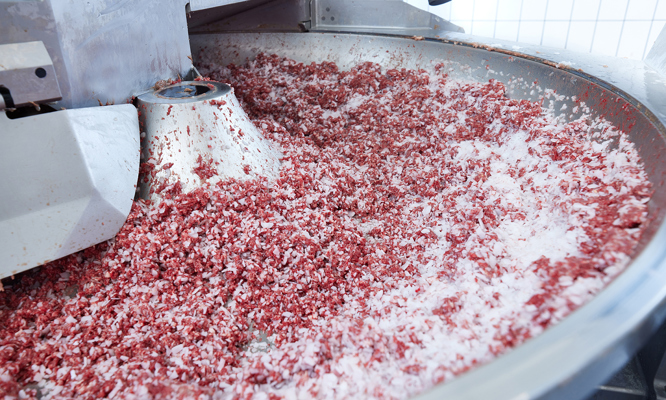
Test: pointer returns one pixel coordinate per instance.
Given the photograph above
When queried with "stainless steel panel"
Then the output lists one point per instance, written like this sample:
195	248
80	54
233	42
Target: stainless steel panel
253	15
377	16
194	123
103	51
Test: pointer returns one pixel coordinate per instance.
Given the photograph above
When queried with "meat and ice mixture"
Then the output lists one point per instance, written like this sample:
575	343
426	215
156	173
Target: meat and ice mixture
420	226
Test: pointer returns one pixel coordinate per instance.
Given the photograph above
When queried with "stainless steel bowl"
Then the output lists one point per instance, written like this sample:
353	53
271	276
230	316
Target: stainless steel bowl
569	360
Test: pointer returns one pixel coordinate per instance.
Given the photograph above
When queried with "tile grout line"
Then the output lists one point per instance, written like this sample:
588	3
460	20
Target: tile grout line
543	26
520	17
497	13
566	42
596	22
626	10
654	12
473	19
642	21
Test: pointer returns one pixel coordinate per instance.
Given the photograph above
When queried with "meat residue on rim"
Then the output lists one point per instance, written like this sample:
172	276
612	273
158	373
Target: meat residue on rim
420	226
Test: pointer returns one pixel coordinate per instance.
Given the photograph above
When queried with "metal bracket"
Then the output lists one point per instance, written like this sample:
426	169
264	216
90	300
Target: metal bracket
377	16
27	75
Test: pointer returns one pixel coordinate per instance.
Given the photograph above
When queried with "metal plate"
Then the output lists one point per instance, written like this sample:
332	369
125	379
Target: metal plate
27	73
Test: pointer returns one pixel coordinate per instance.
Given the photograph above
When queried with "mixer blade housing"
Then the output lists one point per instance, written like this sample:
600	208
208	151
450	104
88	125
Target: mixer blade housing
68	182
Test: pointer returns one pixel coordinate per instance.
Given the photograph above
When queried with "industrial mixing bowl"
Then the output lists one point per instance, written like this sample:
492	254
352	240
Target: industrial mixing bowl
572	358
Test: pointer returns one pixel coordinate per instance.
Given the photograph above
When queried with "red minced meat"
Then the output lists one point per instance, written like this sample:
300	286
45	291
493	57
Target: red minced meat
420	226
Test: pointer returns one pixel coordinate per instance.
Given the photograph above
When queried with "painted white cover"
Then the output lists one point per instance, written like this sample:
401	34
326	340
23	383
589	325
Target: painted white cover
67	182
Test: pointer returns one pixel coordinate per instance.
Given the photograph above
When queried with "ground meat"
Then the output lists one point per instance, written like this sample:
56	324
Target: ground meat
420	226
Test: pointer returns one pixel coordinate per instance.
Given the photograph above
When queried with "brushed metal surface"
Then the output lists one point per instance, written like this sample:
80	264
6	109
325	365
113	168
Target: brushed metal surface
183	128
375	16
103	51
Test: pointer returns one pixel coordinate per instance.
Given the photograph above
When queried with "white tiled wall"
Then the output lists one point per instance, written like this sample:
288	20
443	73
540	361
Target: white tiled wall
621	28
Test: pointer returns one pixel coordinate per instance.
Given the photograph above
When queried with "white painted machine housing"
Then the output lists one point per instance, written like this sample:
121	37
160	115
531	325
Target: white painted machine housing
68	182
